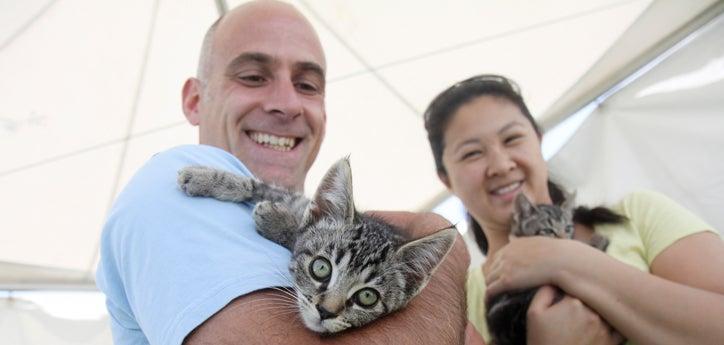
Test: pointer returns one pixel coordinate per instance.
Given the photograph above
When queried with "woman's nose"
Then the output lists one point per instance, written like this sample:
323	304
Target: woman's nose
500	162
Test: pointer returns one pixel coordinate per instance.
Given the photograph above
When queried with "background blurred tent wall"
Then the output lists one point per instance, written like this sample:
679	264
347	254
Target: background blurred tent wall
25	322
660	128
91	90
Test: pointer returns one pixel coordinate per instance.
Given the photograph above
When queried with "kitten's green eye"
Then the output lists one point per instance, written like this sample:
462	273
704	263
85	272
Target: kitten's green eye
320	268
366	297
547	232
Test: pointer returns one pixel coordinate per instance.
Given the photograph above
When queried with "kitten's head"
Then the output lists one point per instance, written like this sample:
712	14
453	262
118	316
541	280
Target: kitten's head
543	219
350	269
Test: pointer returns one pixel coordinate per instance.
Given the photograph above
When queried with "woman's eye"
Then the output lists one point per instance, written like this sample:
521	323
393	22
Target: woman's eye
366	297
470	154
320	269
512	138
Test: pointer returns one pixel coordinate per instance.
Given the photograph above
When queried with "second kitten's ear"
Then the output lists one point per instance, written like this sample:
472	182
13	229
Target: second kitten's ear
523	209
334	195
569	201
523	206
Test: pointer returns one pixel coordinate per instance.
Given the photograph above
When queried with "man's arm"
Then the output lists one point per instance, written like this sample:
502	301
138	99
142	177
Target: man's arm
435	316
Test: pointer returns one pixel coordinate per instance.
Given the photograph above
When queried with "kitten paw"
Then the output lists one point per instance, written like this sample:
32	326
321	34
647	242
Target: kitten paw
599	242
195	180
275	223
266	213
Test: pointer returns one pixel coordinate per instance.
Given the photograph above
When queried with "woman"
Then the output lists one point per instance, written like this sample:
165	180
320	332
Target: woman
661	280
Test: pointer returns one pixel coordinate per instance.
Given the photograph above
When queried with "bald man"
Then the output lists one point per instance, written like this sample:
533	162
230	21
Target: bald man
193	270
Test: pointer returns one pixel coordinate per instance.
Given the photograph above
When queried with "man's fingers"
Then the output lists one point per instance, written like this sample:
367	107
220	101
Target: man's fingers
617	337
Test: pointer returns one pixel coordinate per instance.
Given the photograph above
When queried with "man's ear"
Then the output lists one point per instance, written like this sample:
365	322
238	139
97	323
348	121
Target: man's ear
443	177
191	95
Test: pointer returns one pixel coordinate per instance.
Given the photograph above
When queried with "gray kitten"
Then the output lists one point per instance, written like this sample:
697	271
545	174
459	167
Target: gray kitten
348	268
506	312
548	220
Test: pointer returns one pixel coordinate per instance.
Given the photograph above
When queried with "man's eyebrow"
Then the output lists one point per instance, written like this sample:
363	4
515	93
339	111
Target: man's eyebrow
259	58
311	67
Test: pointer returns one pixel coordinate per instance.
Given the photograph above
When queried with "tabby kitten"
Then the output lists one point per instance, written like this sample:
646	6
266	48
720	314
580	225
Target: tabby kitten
348	268
506	312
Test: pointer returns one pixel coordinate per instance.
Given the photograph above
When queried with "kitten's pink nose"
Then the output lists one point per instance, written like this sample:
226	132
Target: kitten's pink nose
324	313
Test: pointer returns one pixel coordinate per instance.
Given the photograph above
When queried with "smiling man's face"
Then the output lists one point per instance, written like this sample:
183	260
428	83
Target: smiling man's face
263	98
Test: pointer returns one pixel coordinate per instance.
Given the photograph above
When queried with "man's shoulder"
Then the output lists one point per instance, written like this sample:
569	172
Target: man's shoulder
205	155
166	164
156	182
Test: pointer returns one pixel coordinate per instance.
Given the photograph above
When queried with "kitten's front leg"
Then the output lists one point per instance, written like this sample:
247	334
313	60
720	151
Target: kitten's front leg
218	184
276	222
599	242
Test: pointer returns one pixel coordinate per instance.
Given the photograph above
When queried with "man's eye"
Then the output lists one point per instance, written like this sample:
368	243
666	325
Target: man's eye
252	79
307	88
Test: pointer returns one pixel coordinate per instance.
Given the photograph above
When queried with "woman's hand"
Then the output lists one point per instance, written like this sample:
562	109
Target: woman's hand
532	261
472	337
567	321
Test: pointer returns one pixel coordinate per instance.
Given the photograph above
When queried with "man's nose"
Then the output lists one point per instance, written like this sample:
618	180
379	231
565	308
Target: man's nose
283	100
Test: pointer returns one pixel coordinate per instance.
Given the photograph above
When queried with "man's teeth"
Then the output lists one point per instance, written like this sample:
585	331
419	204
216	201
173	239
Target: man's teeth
273	141
507	189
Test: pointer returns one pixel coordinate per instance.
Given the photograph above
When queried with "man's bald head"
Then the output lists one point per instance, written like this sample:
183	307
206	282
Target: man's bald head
262	72
243	12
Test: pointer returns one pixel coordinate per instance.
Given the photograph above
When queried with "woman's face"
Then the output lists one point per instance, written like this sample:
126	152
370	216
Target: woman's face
491	154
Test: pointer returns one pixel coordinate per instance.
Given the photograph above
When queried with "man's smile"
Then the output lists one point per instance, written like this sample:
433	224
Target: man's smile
279	143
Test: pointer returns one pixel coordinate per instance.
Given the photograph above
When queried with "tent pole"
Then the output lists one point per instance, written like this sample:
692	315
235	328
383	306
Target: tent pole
221	7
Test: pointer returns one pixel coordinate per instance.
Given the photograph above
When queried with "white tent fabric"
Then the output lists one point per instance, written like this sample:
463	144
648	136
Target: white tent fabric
664	131
643	40
25	323
92	89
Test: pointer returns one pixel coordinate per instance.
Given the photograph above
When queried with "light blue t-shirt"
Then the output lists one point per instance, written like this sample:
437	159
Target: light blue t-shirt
170	261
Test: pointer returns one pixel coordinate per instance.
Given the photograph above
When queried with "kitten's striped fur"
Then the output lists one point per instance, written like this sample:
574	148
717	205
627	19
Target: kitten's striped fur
367	257
506	312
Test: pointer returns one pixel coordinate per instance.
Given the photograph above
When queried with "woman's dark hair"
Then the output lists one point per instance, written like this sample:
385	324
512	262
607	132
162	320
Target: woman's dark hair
443	108
441	111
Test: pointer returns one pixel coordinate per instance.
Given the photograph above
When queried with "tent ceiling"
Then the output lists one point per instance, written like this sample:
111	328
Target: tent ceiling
92	89
643	41
663	131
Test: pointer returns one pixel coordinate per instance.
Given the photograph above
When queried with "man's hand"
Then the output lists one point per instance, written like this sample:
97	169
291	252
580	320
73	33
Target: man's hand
435	316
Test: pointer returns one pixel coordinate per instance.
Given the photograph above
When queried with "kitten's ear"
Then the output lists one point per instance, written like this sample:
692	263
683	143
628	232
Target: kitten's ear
569	201
421	257
523	209
523	206
334	196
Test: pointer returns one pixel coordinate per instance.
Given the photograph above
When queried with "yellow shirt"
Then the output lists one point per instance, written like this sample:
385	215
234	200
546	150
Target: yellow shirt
655	222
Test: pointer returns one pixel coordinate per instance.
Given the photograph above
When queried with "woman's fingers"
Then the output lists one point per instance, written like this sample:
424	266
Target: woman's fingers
543	299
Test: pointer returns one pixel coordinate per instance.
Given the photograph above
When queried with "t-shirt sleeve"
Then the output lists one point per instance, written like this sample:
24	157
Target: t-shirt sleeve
660	221
169	261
